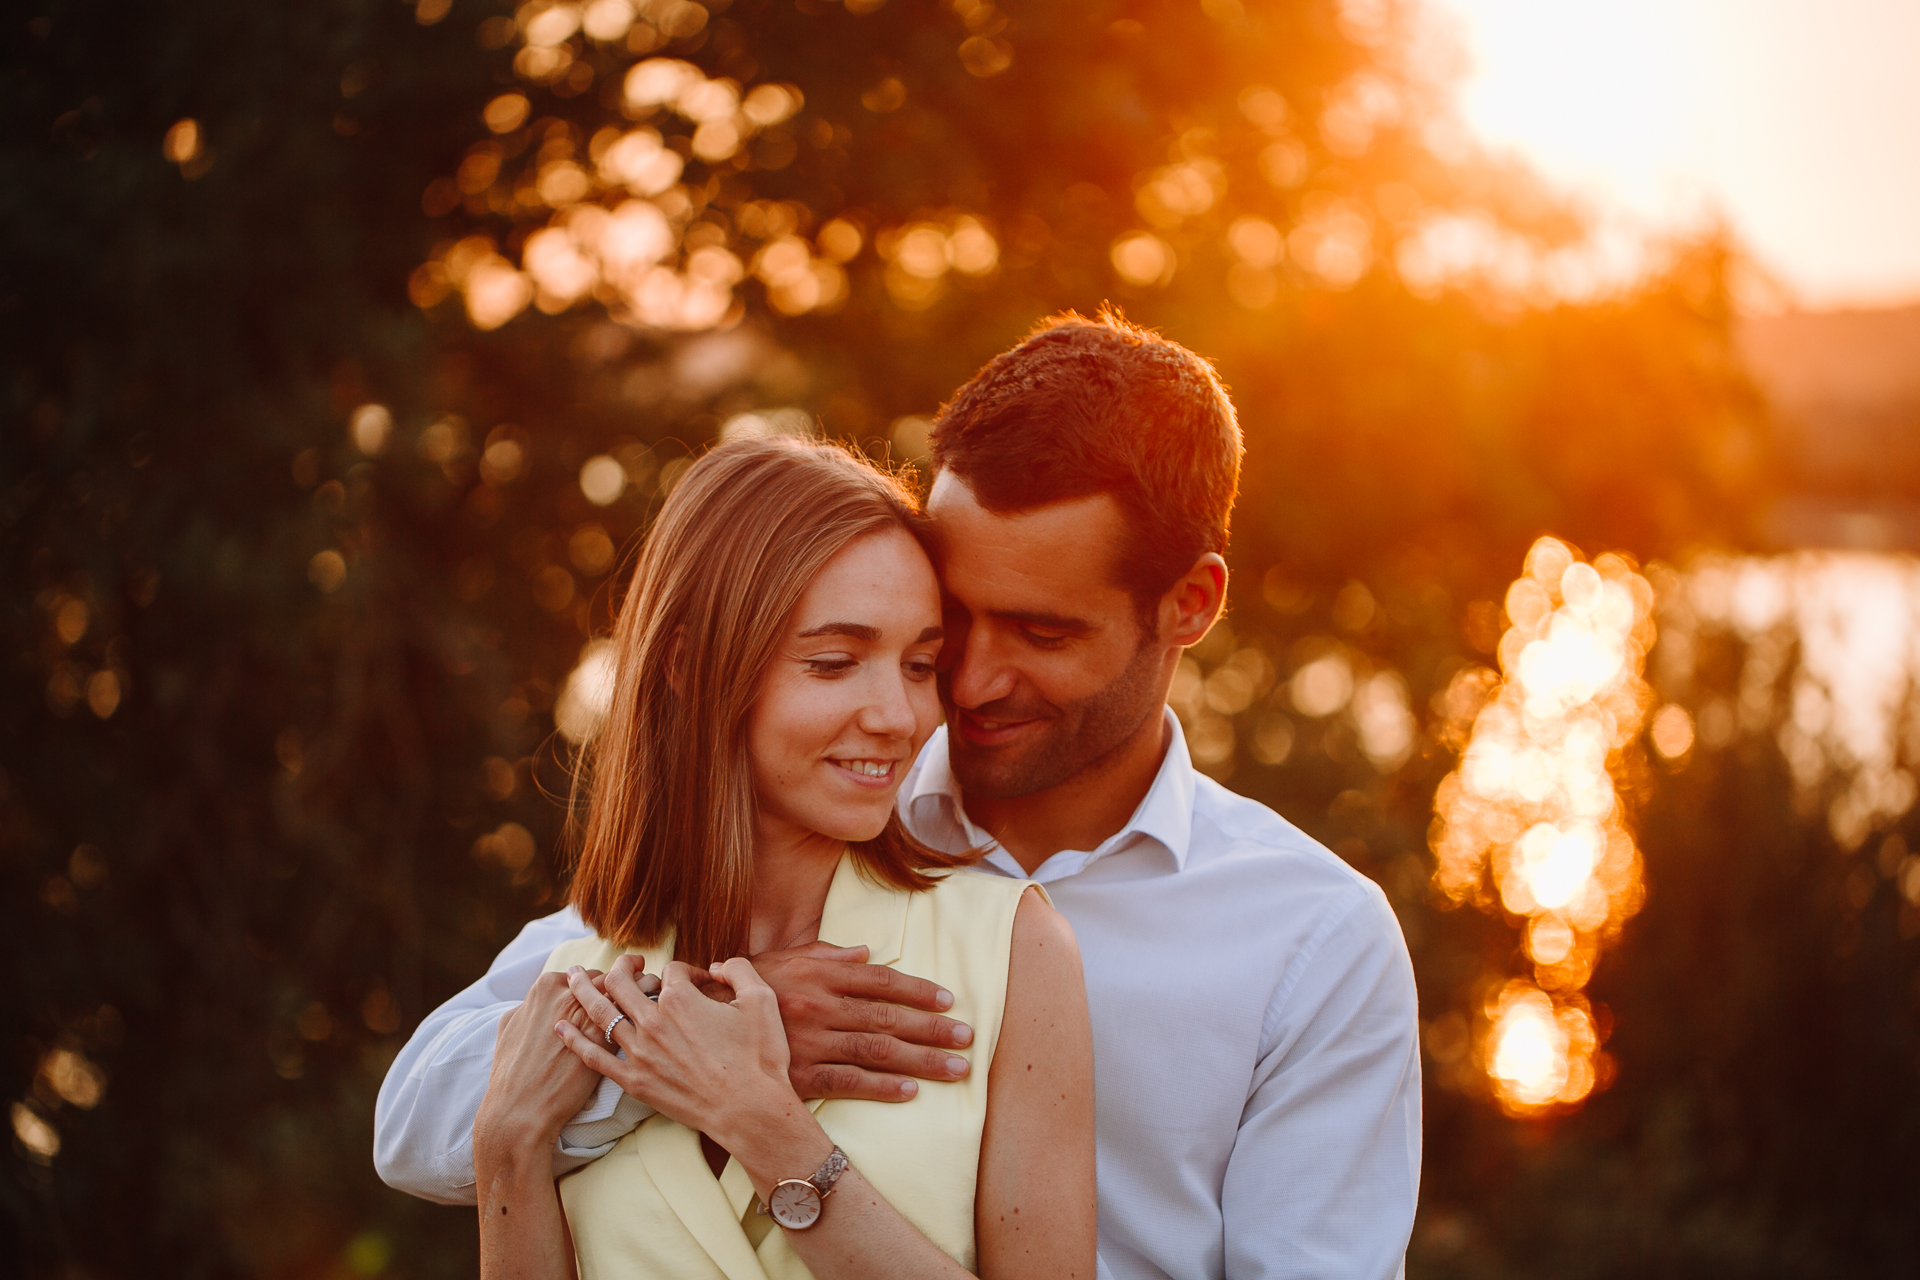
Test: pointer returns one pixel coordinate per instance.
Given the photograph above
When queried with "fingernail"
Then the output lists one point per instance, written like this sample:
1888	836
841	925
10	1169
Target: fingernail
963	1035
956	1065
574	970
908	1088
943	999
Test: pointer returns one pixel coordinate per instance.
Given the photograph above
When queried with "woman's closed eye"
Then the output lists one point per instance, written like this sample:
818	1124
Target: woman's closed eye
831	665
918	668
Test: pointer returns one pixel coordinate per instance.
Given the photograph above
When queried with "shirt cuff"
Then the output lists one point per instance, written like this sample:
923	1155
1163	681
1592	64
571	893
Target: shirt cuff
609	1116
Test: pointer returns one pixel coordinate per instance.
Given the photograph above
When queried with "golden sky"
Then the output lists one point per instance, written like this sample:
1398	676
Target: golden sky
1797	121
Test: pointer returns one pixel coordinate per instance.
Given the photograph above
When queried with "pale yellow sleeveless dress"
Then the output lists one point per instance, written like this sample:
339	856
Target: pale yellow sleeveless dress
651	1207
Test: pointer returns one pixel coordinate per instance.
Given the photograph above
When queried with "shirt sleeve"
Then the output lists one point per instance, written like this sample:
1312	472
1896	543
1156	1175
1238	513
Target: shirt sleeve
1325	1172
423	1119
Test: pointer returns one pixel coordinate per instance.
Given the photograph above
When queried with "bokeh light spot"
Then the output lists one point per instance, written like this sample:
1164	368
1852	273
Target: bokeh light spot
1531	820
370	426
602	480
506	113
587	694
40	1140
327	570
1142	258
1672	731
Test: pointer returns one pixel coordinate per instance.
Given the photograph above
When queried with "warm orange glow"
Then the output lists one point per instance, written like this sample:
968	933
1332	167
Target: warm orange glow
1531	819
1782	120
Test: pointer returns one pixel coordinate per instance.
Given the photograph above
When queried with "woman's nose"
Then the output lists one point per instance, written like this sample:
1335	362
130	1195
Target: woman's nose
889	713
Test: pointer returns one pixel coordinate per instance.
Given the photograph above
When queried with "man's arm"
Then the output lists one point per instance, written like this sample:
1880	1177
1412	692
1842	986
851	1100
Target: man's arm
855	1030
1325	1172
423	1119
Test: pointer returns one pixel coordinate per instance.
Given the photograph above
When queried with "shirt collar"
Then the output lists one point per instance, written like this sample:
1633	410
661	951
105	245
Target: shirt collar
1164	815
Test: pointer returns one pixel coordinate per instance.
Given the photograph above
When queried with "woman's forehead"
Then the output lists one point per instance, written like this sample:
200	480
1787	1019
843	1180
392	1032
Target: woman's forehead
882	581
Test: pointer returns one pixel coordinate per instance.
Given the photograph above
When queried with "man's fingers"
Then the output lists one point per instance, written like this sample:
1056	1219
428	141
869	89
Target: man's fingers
827	951
877	982
910	1025
837	1080
882	1053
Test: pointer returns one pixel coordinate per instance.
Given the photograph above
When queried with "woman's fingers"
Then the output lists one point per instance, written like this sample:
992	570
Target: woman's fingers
627	985
748	986
602	1011
678	981
588	1050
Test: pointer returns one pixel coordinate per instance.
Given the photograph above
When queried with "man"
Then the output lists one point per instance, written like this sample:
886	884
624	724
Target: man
1255	1039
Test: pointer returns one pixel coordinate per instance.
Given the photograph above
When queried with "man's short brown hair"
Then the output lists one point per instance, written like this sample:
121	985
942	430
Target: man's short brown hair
1089	406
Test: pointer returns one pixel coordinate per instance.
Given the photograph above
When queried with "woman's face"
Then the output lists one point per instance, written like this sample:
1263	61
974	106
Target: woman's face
850	697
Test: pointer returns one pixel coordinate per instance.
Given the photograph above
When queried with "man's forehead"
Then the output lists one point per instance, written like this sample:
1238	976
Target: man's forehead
1068	546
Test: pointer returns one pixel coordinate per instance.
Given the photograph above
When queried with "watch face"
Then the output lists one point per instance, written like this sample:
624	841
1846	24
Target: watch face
795	1204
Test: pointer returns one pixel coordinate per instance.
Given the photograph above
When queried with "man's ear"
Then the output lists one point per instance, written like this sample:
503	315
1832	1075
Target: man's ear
1195	602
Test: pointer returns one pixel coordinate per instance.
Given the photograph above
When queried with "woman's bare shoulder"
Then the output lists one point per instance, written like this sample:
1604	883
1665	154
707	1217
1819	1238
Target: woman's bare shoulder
1044	947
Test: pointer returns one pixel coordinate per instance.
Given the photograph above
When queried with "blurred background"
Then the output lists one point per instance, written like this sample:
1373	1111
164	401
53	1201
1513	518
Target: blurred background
349	346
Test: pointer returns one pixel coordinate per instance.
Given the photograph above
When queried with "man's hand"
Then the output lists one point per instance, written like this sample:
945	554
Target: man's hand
859	1030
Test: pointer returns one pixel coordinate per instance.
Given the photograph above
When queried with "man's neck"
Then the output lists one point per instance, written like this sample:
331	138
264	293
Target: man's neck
1082	812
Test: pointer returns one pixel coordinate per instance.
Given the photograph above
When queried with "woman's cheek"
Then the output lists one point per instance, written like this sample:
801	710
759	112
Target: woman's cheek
925	698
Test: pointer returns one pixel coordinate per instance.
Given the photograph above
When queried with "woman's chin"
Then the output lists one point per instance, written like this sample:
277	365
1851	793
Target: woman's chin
852	828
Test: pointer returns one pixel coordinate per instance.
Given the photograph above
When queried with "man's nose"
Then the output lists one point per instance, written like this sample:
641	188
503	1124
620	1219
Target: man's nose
980	673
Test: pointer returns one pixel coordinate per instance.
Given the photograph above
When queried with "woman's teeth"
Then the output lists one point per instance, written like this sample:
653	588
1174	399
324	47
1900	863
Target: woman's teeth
867	768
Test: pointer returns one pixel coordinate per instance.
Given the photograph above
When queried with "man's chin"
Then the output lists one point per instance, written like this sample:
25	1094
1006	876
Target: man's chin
992	773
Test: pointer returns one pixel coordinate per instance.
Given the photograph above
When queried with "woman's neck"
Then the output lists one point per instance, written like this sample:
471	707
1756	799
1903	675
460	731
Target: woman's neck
792	871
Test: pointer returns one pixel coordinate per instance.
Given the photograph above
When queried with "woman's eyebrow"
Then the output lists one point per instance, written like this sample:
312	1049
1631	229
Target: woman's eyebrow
861	631
857	630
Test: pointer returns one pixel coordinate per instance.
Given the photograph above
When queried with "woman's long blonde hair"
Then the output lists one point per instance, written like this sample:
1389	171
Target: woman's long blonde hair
668	838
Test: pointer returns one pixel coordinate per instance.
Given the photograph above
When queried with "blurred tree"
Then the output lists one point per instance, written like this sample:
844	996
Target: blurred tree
345	363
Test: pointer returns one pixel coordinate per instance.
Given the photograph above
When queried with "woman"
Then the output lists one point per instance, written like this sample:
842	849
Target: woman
774	683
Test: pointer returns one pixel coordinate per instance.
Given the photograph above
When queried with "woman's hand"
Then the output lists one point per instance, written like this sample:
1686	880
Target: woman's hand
536	1086
716	1066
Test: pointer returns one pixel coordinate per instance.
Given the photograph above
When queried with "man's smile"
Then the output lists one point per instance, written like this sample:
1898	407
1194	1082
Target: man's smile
992	731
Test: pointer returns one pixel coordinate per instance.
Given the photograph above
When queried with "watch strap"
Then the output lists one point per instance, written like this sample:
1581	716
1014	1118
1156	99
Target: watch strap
829	1172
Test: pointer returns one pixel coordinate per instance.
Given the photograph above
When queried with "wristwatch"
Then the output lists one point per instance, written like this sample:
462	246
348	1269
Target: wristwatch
795	1202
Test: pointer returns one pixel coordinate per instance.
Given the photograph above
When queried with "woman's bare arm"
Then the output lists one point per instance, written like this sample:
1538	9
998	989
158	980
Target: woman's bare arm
1034	1213
535	1088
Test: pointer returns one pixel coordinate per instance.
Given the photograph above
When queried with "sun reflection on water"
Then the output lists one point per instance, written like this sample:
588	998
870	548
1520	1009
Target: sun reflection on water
1531	820
1830	664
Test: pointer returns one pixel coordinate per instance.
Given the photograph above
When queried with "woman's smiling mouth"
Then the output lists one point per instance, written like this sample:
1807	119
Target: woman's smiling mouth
866	770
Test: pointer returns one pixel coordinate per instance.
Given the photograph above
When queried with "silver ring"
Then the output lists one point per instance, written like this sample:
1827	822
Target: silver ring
618	1018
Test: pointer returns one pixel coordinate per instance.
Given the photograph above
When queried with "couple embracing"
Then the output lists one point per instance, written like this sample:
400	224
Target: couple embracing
844	993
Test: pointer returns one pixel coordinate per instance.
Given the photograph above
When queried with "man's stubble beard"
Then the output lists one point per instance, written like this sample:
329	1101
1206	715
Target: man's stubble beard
1078	738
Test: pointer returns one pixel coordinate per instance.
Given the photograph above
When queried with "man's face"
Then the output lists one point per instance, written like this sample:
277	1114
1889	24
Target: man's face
1045	670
